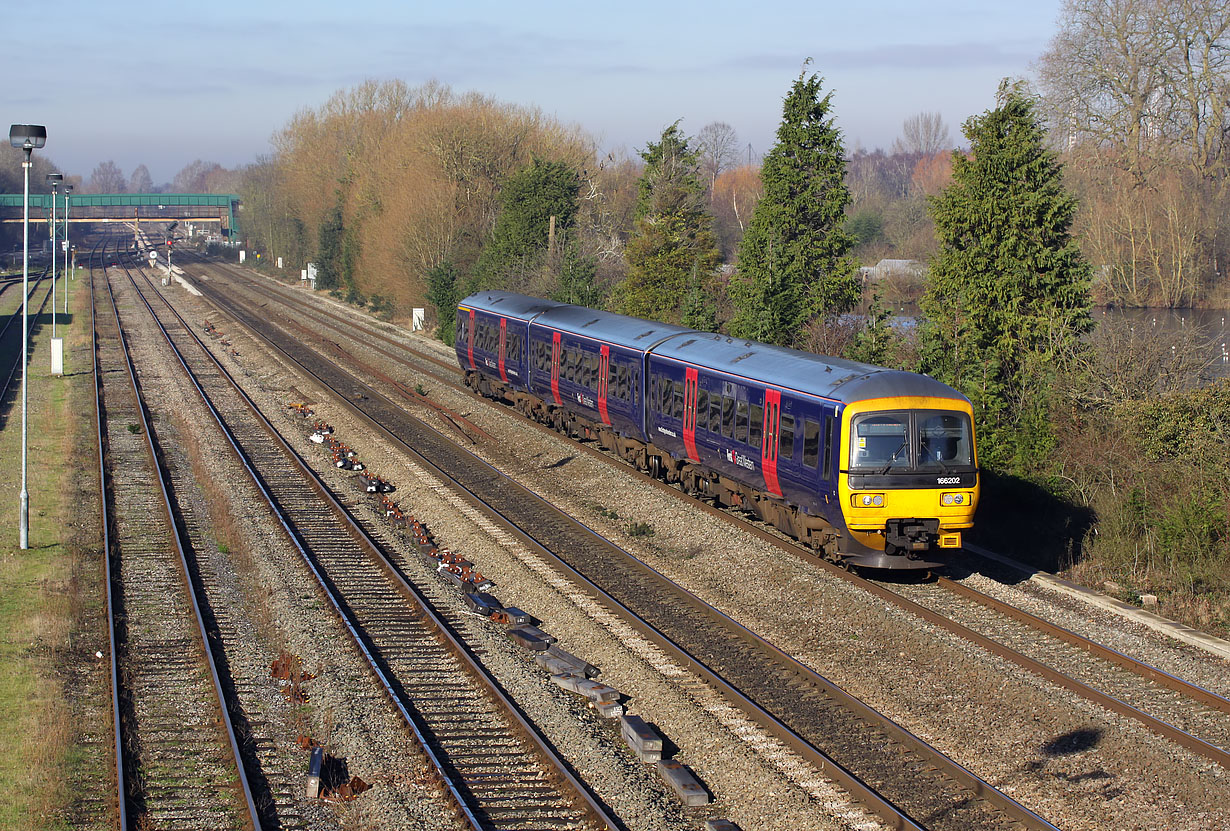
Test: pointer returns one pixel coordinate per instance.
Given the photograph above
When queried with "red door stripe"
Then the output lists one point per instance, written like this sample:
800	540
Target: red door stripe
689	413
555	351
503	347
604	372
768	452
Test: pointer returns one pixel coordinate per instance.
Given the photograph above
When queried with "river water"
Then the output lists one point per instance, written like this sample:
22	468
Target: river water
1208	328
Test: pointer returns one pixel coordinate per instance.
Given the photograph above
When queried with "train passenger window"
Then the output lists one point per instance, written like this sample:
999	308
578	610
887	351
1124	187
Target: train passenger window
625	383
811	442
741	421
677	395
728	416
785	438
662	401
585	372
756	425
715	414
702	408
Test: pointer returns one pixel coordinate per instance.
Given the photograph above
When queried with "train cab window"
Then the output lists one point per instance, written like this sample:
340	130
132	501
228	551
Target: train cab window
702	408
943	441
715	414
881	441
728	416
677	400
741	421
785	437
811	442
756	423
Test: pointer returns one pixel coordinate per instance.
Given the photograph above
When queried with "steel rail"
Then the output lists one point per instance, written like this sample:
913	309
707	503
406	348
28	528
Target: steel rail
121	788
253	815
1094	648
340	608
889	812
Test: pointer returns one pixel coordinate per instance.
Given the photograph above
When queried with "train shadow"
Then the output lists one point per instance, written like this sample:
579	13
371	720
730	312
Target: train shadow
1022	520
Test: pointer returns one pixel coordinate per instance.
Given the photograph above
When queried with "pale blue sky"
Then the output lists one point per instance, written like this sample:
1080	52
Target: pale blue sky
166	83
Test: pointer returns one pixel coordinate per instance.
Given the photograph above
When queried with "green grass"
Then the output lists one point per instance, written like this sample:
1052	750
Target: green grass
49	592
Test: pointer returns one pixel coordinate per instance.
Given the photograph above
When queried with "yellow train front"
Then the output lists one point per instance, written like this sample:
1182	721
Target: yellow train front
908	484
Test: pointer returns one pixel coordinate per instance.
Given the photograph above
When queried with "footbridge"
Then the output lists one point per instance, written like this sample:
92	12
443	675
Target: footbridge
214	212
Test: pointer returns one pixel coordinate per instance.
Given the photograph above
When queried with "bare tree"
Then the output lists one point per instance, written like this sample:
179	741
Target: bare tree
107	178
717	145
195	177
140	181
924	134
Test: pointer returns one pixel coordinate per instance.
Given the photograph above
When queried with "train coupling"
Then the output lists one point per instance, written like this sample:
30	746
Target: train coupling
912	534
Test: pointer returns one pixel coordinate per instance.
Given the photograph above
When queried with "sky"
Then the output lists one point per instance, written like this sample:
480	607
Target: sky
164	84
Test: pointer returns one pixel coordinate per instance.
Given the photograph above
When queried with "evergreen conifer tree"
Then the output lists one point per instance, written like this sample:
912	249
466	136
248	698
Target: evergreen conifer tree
444	294
673	236
1009	290
528	200
794	260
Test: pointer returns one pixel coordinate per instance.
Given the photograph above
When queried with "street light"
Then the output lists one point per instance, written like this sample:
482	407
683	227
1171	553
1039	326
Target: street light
54	179
27	137
68	249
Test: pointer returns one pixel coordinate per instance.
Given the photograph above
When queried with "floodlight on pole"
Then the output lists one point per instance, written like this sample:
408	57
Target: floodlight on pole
54	179
26	137
68	248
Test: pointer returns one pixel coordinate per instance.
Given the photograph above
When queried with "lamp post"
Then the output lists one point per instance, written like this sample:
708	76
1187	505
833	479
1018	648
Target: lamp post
27	137
68	249
54	179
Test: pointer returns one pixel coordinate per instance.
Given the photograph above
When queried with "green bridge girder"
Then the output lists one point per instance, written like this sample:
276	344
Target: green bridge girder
155	207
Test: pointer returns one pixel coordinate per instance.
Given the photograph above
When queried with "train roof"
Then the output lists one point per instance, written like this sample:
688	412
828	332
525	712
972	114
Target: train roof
620	330
819	375
508	304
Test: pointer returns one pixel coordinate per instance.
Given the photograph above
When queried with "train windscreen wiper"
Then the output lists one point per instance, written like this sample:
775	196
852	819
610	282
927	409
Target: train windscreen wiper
893	458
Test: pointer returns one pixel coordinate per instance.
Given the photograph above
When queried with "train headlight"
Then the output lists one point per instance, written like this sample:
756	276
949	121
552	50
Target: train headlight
950	499
868	500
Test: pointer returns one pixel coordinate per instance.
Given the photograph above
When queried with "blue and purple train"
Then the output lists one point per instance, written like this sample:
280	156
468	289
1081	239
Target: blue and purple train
871	466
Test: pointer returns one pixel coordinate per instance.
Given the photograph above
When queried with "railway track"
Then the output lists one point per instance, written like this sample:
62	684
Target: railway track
500	771
177	757
897	775
9	332
1111	679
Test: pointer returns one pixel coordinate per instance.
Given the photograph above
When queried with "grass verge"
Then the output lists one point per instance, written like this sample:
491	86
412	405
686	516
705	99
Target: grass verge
54	712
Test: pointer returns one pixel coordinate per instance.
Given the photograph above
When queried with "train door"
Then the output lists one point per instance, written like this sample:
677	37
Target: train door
470	340
556	349
503	347
768	448
604	379
690	385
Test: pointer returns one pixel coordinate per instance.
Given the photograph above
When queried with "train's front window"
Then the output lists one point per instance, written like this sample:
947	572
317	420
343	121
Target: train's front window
920	440
943	441
881	441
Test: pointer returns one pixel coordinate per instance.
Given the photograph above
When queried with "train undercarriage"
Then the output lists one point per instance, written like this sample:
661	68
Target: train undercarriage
694	479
